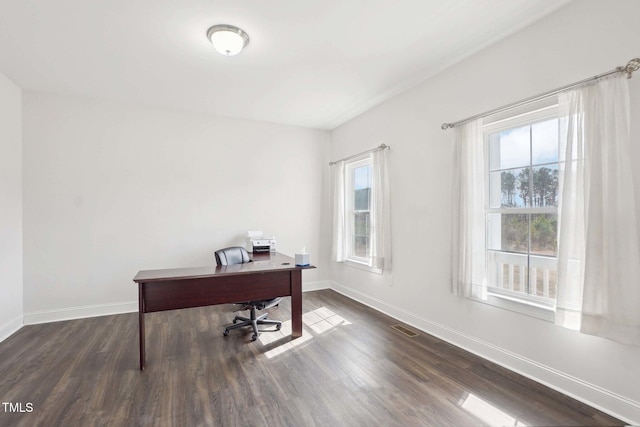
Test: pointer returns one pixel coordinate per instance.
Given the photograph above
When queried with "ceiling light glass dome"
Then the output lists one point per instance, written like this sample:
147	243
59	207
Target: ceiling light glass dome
227	39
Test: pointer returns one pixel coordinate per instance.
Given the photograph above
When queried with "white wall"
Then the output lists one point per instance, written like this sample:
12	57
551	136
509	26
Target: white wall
583	39
11	309
110	189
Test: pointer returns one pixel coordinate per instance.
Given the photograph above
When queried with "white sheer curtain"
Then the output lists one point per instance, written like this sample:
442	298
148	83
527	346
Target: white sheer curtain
468	238
599	244
380	213
339	250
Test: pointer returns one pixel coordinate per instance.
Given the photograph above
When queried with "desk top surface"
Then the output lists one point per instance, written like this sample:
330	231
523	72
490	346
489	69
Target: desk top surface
264	263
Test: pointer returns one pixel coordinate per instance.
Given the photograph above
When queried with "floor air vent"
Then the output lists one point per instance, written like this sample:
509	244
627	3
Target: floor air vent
406	331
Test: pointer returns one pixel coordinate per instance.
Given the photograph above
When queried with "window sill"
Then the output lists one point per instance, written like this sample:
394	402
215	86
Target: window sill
362	266
519	306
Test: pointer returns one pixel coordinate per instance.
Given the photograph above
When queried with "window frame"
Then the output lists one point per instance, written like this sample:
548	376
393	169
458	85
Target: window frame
518	301
350	168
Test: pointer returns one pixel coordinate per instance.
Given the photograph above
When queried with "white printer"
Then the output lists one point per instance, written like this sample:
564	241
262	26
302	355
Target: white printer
257	242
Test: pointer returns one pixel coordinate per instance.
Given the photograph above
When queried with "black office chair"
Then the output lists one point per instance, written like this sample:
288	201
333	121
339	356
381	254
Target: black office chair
239	255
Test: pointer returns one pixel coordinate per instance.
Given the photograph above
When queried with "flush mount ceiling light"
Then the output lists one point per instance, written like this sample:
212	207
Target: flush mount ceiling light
227	39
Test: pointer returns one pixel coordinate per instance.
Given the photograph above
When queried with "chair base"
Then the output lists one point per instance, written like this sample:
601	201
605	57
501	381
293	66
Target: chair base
253	321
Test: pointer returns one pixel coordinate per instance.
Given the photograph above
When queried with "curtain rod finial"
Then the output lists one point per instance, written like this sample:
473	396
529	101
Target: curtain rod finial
446	126
633	65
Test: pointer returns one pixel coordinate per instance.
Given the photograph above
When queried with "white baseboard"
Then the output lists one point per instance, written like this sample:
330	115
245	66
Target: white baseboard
621	407
81	312
10	328
316	286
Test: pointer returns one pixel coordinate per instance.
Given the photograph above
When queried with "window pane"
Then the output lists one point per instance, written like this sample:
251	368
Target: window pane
361	247
508	271
362	188
362	177
510	148
544	234
508	232
543	272
544	142
523	186
507	190
361	225
361	234
362	199
545	186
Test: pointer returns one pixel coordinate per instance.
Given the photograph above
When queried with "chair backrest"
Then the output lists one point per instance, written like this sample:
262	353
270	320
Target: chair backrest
232	255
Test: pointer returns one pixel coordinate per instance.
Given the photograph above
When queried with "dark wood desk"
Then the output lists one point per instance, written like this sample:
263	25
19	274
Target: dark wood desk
269	275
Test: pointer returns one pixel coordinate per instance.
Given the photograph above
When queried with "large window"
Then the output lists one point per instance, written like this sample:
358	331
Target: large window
361	212
358	227
544	219
521	215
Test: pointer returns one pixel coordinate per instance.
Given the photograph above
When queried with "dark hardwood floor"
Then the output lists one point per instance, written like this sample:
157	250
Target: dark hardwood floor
350	368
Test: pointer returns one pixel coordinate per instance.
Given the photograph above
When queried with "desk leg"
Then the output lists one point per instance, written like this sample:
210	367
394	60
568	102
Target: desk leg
141	310
296	303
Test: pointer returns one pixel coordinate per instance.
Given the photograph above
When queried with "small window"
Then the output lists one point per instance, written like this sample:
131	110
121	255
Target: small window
521	210
358	229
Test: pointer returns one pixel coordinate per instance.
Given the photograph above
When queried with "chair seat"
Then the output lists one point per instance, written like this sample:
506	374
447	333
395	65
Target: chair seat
263	304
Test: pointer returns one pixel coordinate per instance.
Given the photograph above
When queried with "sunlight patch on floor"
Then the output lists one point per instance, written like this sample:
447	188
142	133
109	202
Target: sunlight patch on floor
284	332
488	412
319	321
323	319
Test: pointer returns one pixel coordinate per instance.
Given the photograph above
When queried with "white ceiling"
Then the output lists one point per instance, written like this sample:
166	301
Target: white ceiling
309	63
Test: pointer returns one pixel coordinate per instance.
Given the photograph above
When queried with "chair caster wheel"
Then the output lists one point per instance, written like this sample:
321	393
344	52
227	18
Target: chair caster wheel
235	321
254	337
225	333
278	327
